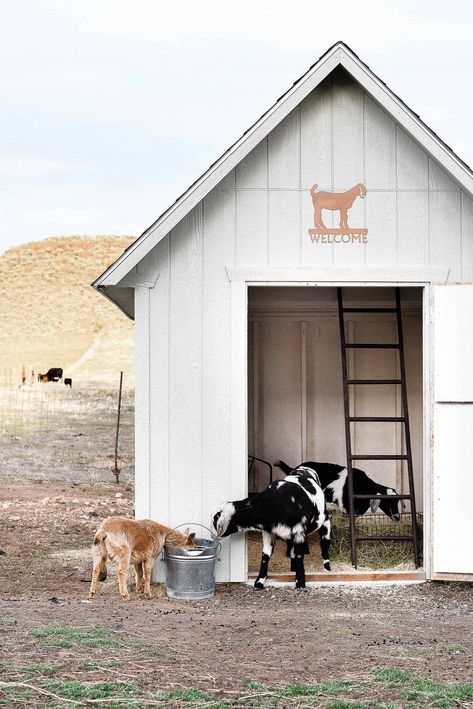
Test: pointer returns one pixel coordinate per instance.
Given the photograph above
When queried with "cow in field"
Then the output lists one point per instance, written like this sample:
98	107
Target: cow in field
54	374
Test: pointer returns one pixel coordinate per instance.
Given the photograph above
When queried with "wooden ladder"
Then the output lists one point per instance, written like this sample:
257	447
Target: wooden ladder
404	419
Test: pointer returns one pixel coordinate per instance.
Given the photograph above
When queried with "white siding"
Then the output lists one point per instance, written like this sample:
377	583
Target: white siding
338	136
453	424
260	215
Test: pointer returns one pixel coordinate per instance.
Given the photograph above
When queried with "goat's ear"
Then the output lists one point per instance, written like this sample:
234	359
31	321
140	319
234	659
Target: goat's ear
221	527
190	537
186	531
374	504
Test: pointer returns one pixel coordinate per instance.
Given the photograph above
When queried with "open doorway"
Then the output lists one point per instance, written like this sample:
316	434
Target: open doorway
296	406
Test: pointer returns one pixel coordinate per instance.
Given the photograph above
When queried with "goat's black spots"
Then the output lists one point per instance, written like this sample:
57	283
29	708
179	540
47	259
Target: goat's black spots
288	509
334	482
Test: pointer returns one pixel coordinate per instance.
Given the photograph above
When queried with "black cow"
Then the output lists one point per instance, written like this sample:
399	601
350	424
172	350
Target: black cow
54	374
288	509
334	482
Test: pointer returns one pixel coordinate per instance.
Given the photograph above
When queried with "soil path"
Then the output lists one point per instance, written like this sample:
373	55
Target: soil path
221	645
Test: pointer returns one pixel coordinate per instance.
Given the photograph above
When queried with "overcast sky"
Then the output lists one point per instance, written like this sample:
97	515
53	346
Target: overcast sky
111	109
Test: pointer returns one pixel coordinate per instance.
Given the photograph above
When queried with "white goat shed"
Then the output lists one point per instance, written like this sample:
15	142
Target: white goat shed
233	292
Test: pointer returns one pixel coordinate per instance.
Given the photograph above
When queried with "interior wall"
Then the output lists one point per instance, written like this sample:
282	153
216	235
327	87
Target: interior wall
295	392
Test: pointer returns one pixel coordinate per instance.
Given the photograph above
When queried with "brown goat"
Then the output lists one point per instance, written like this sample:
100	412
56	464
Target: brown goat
136	541
336	201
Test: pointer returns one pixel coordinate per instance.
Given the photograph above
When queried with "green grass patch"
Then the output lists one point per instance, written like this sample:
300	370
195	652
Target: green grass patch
77	691
422	691
311	690
39	669
65	636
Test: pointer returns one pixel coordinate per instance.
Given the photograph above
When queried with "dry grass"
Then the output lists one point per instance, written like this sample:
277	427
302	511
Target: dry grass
373	555
50	315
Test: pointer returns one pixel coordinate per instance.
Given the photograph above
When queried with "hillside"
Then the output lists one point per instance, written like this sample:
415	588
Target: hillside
51	317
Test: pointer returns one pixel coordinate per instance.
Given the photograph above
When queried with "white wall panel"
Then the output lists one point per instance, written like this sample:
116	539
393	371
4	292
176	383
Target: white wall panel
439	180
381	218
159	386
412	227
284	232
284	153
467	237
412	164
316	138
253	170
445	236
251	227
185	380
453	521
347	133
453	343
379	147
219	218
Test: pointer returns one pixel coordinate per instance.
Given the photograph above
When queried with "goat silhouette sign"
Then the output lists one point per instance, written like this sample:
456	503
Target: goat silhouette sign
337	202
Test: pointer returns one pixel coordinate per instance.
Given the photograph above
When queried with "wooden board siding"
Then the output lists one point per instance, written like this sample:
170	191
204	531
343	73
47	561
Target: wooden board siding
259	215
336	137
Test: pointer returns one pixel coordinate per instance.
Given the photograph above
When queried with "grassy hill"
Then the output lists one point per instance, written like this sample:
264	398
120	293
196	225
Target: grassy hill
51	317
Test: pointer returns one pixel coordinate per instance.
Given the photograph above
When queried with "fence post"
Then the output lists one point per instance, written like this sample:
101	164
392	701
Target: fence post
116	470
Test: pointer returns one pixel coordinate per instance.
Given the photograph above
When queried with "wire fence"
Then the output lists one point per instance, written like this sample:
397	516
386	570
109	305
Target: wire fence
35	408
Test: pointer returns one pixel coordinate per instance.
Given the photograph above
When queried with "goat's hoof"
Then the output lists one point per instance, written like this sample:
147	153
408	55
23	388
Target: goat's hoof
148	596
258	586
102	576
301	588
327	567
126	597
91	596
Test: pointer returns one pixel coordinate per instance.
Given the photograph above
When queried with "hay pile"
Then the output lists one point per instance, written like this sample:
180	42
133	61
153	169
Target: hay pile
377	554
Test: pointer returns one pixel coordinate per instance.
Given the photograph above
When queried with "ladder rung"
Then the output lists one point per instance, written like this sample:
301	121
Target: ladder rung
369	310
378	457
372	346
398	419
374	381
381	538
381	497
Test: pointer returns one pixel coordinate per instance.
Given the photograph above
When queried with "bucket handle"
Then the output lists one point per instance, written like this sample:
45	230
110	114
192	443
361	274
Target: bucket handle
197	524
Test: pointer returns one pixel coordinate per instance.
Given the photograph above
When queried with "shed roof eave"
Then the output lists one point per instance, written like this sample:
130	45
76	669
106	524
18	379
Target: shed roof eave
339	54
123	298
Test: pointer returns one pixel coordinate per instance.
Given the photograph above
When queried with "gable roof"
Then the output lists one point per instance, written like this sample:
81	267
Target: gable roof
338	55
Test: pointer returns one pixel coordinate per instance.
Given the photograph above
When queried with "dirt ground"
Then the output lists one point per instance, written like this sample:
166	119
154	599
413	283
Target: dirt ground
338	646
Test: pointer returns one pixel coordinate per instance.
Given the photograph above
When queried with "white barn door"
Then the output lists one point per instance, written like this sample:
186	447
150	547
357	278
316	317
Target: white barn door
453	430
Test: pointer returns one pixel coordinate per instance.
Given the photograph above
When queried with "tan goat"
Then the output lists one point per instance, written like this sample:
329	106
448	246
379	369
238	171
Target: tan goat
136	541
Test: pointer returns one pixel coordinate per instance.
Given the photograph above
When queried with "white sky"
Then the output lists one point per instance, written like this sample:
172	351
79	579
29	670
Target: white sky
110	109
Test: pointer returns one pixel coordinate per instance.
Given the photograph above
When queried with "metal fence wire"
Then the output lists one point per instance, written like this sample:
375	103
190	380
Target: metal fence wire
36	408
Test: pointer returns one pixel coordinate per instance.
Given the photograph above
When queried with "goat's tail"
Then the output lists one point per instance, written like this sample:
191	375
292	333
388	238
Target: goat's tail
284	467
99	537
313	188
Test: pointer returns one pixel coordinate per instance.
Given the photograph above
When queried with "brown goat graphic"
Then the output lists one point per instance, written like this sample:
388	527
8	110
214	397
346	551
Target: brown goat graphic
336	201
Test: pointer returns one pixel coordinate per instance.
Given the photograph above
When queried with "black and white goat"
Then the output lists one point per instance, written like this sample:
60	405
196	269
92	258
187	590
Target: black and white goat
334	482
288	509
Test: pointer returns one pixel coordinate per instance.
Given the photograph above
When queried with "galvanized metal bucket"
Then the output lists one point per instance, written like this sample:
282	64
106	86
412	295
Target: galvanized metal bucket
190	573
